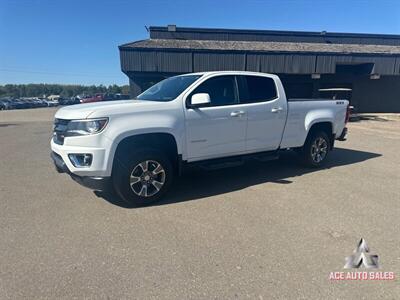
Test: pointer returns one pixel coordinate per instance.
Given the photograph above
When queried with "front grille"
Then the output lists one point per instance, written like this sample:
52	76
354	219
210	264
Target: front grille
60	127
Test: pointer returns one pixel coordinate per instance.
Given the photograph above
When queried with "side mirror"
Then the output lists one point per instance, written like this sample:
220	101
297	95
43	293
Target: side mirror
200	100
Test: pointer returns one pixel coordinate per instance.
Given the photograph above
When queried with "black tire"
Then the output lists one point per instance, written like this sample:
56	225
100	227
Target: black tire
311	156
123	168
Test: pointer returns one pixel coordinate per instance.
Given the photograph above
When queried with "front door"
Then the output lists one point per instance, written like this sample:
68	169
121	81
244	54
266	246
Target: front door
218	129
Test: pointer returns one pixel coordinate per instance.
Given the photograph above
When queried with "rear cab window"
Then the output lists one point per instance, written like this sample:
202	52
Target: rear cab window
255	89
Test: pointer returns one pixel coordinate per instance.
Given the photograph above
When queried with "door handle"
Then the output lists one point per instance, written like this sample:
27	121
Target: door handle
238	113
276	109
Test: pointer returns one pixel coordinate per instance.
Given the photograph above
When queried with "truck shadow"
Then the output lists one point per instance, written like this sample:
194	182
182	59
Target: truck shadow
197	184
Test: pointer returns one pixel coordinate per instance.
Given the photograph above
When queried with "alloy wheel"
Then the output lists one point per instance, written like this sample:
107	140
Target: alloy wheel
147	178
319	149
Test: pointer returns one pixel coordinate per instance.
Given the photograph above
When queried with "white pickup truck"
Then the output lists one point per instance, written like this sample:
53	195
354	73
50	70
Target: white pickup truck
212	119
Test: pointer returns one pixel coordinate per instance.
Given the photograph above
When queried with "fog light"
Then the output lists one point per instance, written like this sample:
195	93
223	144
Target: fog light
81	160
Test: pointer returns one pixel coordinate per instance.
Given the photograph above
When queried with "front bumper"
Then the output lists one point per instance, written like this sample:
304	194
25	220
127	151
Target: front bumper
94	183
99	166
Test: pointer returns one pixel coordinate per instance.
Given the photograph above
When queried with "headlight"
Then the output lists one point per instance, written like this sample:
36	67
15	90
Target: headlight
85	127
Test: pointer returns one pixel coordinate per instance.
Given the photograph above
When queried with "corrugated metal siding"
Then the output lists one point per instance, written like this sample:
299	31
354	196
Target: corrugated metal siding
175	62
397	66
218	62
281	63
382	65
300	64
327	63
260	63
156	61
185	62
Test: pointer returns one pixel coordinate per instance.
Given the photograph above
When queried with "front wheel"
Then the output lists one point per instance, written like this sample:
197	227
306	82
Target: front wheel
143	178
316	149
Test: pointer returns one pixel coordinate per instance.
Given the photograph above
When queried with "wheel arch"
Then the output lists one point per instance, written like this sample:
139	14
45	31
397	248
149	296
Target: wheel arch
162	141
325	126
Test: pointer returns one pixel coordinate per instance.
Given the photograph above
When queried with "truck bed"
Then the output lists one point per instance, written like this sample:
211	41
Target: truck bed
302	113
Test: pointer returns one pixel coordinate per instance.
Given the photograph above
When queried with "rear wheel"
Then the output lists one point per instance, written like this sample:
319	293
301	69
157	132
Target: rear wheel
316	149
143	178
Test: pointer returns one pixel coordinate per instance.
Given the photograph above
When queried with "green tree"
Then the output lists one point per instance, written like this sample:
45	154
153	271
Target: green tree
38	90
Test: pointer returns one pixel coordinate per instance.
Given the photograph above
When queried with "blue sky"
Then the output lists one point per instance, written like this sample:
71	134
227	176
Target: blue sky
76	41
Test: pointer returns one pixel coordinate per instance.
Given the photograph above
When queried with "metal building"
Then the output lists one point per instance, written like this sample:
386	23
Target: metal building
364	68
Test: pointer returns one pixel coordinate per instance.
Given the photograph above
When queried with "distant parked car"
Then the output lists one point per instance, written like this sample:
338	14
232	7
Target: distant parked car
51	103
54	97
96	98
42	103
70	101
28	103
75	100
6	103
64	101
37	103
3	105
32	103
21	104
105	97
121	97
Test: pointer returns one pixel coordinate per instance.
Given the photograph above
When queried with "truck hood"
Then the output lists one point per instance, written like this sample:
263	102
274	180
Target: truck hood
106	108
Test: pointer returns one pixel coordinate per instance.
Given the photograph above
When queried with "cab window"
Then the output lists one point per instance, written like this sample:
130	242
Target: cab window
257	89
222	90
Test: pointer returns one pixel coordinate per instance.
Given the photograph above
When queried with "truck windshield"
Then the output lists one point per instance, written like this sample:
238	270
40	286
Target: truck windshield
168	89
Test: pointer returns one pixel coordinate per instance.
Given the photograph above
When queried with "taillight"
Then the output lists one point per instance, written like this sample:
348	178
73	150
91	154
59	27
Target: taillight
347	113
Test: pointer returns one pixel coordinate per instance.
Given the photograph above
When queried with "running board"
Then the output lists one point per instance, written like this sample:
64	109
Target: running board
267	157
221	163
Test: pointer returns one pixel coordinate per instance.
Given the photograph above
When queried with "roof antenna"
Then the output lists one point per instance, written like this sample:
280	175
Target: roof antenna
147	28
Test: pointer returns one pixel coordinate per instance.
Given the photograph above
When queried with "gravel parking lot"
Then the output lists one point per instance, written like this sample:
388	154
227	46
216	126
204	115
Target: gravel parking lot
262	231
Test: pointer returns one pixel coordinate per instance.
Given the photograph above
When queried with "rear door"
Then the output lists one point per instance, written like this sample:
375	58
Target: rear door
266	112
217	129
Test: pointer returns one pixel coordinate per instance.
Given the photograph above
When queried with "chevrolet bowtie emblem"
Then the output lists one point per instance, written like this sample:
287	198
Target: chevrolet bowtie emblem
360	257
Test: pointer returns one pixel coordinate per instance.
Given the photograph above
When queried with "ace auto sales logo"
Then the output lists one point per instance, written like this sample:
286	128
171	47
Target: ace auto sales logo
362	258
